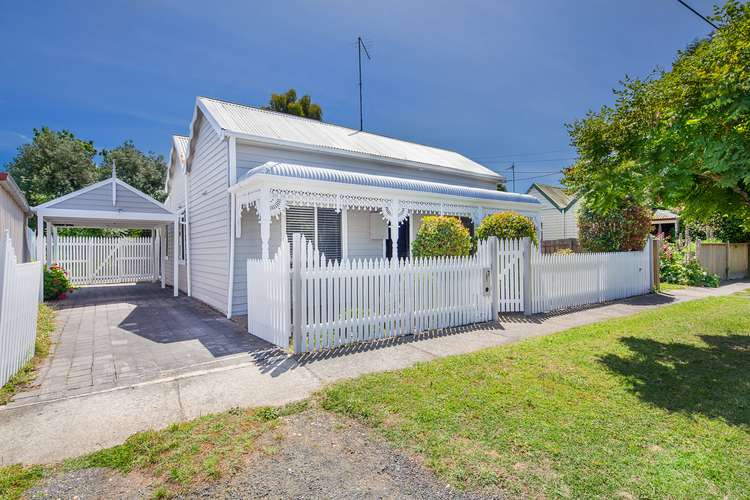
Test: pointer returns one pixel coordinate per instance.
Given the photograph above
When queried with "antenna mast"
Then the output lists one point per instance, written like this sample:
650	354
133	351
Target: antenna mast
360	46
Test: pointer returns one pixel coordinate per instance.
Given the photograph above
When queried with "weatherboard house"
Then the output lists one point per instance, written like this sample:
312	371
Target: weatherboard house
246	178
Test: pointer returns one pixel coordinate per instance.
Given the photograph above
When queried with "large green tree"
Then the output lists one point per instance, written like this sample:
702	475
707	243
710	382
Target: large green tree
679	138
288	103
54	163
144	171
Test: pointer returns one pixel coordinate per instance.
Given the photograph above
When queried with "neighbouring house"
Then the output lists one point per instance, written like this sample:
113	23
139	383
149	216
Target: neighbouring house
245	178
14	216
559	211
666	222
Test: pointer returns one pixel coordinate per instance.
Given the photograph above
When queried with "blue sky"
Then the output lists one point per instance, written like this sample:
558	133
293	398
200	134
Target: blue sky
494	80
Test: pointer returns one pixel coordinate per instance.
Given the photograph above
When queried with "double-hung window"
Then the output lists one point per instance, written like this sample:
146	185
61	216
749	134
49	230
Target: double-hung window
182	241
322	226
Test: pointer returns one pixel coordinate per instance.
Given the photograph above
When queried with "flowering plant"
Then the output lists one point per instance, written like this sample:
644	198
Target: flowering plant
56	282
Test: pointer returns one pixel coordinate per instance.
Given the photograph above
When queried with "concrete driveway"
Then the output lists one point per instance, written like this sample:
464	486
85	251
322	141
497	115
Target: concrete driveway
118	335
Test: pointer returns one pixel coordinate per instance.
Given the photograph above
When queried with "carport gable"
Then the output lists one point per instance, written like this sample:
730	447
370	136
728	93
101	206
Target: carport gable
110	203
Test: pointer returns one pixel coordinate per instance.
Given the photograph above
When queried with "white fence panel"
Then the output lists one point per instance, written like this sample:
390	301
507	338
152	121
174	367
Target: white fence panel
338	303
563	281
269	296
19	299
95	260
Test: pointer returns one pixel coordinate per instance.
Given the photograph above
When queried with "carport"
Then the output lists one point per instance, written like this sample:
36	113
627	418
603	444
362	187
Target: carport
110	203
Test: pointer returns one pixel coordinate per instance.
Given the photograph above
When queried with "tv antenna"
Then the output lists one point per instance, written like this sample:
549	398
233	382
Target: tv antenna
360	47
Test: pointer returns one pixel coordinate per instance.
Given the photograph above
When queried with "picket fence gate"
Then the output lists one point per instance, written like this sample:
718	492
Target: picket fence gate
19	301
564	281
510	277
99	260
269	306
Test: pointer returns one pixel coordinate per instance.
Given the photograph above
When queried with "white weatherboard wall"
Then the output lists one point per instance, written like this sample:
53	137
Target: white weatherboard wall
556	224
248	246
13	220
19	300
250	156
209	218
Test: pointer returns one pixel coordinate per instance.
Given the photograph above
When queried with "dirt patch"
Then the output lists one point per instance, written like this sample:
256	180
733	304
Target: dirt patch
318	455
92	484
313	454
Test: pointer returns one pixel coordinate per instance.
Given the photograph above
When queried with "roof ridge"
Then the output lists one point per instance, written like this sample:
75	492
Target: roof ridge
330	124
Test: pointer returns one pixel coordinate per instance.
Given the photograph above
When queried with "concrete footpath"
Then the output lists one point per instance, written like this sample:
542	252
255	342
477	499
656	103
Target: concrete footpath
49	431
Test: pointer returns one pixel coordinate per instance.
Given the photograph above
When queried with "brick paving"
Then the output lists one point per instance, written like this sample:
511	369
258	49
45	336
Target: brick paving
118	335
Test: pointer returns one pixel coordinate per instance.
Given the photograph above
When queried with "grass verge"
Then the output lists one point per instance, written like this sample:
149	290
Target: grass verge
668	287
45	325
652	405
177	458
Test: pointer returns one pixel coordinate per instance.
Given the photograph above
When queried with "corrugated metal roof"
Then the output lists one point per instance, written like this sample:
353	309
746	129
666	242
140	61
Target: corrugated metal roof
181	144
379	181
556	195
257	122
660	214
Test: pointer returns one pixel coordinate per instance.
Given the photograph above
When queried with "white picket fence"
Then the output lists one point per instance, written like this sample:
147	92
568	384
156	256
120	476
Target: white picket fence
269	306
95	260
337	303
564	281
324	304
19	300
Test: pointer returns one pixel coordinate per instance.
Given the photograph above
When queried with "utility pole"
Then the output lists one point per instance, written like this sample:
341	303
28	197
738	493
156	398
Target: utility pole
360	46
513	173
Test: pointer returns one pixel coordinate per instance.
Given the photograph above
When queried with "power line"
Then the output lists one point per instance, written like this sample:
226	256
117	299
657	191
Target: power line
698	14
539	176
543	160
514	155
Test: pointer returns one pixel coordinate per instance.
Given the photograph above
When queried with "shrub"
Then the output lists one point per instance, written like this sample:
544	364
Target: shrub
507	225
622	230
674	269
441	236
564	251
56	282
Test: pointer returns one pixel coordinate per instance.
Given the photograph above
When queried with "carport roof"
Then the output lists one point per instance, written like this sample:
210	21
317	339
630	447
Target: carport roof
109	203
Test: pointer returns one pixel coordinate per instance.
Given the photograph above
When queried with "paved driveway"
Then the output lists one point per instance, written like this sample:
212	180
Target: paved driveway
118	335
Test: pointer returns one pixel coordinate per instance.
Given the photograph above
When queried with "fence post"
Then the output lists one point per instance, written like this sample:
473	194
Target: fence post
527	276
493	251
655	250
296	292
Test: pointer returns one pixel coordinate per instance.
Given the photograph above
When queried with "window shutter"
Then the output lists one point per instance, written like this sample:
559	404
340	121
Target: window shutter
300	220
329	233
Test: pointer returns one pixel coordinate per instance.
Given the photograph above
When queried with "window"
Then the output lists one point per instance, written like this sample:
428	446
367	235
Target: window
322	226
182	237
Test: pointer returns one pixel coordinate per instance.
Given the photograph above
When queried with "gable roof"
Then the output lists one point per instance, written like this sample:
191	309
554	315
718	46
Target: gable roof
179	153
557	195
109	190
293	131
664	215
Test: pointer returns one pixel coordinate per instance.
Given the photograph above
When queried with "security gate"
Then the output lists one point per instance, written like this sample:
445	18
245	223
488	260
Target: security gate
95	260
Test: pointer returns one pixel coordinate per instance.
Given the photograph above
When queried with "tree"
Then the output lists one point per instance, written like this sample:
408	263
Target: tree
441	236
53	164
145	172
679	138
507	225
288	103
622	230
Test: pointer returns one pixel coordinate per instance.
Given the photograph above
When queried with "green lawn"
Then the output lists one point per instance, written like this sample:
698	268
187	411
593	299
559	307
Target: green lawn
654	405
45	325
668	287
